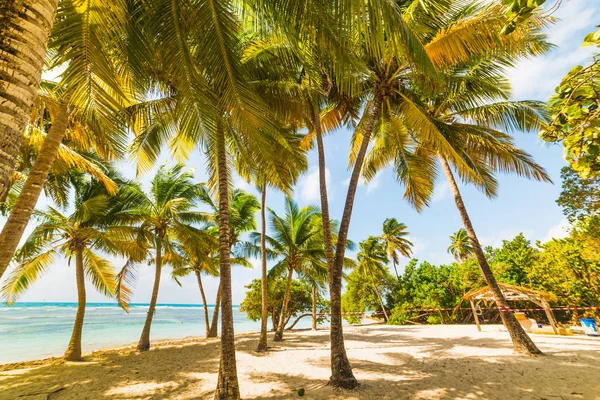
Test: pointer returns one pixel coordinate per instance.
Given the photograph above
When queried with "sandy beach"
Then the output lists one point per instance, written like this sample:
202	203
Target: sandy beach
391	362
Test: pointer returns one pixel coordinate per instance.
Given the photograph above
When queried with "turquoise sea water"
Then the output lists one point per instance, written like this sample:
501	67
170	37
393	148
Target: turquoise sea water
30	331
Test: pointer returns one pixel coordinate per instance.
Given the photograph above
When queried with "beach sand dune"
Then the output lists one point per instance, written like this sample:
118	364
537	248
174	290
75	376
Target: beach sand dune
414	362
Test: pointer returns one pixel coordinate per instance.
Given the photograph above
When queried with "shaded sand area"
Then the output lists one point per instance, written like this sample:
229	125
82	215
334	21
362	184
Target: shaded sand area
410	362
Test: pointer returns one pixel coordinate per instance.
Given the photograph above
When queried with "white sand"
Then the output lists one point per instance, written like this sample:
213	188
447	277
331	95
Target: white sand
420	362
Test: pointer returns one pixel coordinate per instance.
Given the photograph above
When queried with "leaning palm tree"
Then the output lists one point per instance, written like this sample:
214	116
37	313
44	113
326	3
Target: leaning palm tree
460	245
455	122
88	230
371	262
86	103
163	218
24	30
296	243
395	241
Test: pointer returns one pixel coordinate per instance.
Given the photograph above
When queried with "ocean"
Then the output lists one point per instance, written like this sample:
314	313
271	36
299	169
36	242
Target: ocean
31	331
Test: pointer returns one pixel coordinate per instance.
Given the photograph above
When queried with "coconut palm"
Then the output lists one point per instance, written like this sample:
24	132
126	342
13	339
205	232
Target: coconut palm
296	244
164	218
395	241
91	228
316	275
87	102
460	245
371	262
24	30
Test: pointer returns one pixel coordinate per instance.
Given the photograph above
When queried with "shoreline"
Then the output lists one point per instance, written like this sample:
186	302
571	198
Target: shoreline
391	362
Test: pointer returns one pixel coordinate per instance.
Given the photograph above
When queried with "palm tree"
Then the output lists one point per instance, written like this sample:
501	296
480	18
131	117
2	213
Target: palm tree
90	228
371	262
24	28
395	241
164	218
296	244
460	245
455	121
316	275
88	101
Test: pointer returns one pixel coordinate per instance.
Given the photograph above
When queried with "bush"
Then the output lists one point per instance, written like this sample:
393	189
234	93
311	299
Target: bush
434	320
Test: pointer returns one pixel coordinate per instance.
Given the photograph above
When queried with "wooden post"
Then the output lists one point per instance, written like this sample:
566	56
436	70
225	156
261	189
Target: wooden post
550	316
475	315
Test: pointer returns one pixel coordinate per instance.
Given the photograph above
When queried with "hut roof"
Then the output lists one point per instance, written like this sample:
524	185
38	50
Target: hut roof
511	293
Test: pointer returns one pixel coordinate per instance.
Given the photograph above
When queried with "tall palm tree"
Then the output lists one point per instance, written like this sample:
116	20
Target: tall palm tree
455	121
24	28
296	243
90	228
89	99
164	218
371	262
395	241
460	245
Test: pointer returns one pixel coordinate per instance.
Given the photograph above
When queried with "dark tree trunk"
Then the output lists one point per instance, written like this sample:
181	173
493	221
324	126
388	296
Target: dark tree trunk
73	352
36	179
262	343
341	371
144	343
286	298
314	308
204	303
395	269
385	314
521	341
214	326
227	383
25	26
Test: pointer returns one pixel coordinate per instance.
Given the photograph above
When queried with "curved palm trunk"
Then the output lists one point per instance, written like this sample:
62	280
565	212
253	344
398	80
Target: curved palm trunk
314	308
214	326
28	198
341	371
227	383
521	341
25	26
286	299
144	343
204	304
262	343
73	352
385	314
395	269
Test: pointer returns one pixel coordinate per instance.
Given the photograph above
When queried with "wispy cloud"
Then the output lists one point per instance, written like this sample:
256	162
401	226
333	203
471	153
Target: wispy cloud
308	189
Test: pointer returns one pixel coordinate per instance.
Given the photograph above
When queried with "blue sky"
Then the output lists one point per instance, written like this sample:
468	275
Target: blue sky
522	206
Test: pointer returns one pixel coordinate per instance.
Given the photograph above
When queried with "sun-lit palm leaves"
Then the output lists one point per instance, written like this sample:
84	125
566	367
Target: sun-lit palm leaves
372	265
395	241
460	245
84	236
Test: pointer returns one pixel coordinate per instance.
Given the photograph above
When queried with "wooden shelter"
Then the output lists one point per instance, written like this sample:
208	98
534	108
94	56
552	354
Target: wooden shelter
512	293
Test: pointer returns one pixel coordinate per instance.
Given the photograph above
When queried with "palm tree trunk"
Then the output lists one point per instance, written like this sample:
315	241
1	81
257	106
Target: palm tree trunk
227	383
341	372
262	343
385	314
21	213
314	308
214	326
395	269
73	352
204	303
286	299
144	343
521	341
25	26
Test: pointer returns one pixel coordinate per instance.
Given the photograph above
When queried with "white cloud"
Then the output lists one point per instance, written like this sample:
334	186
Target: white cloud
441	192
371	186
308	186
536	78
558	231
239	183
496	239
